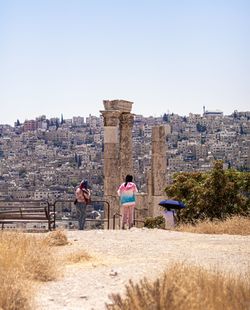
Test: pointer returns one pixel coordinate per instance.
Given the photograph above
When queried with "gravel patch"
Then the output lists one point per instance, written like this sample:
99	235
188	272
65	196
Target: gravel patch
119	255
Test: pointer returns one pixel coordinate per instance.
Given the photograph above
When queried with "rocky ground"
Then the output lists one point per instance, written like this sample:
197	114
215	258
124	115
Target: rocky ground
119	255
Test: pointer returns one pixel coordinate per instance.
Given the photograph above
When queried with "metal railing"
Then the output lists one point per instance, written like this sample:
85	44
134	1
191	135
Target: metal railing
135	220
104	220
114	218
51	207
51	212
139	221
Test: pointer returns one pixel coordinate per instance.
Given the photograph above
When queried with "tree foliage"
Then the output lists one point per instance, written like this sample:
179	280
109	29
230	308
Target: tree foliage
213	195
201	128
165	118
22	172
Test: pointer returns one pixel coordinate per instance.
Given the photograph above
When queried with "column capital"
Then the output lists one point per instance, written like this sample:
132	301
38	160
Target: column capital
127	119
111	118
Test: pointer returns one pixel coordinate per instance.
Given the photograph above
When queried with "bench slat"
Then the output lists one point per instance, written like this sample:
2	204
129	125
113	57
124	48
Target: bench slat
23	220
23	210
15	214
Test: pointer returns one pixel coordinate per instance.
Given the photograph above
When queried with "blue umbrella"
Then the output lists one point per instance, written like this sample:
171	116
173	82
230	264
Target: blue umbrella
172	204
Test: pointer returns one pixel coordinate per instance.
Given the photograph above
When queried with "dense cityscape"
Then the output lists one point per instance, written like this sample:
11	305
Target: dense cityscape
46	158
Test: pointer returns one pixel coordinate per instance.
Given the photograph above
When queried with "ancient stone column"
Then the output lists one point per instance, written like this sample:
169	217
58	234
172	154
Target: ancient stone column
158	168
114	146
159	162
126	125
111	158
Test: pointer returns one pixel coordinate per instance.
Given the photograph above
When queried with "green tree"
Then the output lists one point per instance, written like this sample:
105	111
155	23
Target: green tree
165	118
73	182
57	124
22	172
75	157
79	161
214	195
201	128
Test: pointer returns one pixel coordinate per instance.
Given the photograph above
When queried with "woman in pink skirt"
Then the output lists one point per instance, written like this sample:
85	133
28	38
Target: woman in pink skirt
126	192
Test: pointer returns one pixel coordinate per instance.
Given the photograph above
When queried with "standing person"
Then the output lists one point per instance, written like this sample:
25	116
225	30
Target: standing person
126	192
82	194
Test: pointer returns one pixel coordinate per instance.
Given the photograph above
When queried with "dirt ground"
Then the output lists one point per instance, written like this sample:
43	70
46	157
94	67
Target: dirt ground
119	255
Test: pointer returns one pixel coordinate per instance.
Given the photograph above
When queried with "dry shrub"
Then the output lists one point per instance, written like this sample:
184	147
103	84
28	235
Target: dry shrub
15	292
56	238
23	258
155	222
78	257
184	287
236	225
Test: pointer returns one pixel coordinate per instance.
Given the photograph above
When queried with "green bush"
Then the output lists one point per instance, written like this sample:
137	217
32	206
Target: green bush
155	222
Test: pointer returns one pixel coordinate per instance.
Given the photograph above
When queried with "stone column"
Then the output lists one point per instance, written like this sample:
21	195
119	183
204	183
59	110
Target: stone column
126	164
159	161
111	158
158	168
115	145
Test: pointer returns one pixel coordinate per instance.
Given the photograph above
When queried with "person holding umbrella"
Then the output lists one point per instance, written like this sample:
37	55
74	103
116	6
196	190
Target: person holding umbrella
169	211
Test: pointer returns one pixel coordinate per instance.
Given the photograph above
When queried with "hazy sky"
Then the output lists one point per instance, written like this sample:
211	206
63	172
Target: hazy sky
67	56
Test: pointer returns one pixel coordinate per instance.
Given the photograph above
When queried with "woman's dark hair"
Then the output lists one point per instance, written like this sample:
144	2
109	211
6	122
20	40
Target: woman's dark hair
129	178
84	184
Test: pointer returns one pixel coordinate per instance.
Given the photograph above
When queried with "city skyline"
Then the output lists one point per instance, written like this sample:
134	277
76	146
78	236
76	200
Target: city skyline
62	117
66	58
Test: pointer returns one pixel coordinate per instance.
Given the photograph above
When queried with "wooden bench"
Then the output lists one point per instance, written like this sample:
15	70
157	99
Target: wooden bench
10	214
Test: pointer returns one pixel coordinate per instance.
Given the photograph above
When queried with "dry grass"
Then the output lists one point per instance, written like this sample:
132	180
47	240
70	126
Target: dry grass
15	292
233	226
78	257
183	288
23	259
56	238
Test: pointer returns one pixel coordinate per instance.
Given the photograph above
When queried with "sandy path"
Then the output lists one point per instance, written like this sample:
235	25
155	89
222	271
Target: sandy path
122	255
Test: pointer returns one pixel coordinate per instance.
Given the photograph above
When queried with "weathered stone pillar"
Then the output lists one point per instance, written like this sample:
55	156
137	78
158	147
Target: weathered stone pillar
126	164
158	168
111	151
117	148
111	158
159	161
149	181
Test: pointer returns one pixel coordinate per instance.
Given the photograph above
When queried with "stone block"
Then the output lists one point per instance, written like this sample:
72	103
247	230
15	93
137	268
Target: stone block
111	151
111	134
158	134
159	148
120	105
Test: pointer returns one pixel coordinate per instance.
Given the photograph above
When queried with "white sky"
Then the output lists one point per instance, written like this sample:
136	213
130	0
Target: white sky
59	56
